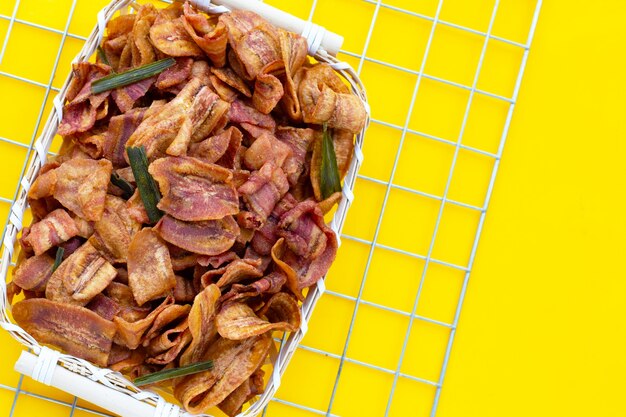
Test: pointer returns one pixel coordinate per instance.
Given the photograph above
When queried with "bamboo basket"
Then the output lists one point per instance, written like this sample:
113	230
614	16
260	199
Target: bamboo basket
104	387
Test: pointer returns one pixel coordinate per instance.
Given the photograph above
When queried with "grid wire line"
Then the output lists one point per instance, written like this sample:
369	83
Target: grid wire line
442	204
518	82
389	186
386	197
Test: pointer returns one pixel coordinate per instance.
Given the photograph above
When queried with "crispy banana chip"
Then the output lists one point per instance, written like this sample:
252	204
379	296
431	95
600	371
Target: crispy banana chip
293	282
269	284
263	190
171	315
237	321
325	99
168	336
126	97
312	245
120	25
216	261
222	89
215	121
57	227
142	52
210	237
233	362
343	142
191	116
114	46
91	142
114	231
45	183
220	149
157	132
81	113
81	186
168	34
150	273
194	190
327	205
184	291
78	184
130	334
282	308
266	148
255	42
85	228
212	39
136	209
120	129
300	141
123	296
176	74
79	278
266	236
201	321
165	348
122	358
104	306
182	259
33	273
304	230
294	51
233	404
230	78
74	329
236	271
243	114
268	91
202	108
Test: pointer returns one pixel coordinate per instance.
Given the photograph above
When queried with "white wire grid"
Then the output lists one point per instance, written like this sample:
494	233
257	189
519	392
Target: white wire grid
443	199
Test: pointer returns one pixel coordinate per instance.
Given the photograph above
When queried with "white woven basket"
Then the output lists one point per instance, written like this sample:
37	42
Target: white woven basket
104	387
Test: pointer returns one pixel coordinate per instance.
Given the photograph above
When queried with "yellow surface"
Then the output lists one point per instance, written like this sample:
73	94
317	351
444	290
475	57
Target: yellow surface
542	331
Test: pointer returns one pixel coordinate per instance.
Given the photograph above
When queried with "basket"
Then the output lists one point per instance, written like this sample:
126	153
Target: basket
104	387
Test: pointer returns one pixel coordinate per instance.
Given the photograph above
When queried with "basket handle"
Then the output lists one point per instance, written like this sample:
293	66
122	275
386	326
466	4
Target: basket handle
49	372
315	35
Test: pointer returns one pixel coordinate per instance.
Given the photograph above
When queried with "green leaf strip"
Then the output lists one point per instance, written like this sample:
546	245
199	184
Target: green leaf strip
148	190
330	182
122	184
122	79
58	258
173	373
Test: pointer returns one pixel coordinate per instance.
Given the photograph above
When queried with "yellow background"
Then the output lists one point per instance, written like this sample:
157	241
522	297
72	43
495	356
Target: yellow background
542	330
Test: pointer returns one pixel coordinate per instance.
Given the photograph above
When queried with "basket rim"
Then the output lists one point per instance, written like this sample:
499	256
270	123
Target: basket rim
115	380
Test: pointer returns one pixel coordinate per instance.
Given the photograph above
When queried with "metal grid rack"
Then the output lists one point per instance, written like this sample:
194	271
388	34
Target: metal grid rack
442	199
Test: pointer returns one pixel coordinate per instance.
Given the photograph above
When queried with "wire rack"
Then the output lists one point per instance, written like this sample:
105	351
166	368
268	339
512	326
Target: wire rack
398	385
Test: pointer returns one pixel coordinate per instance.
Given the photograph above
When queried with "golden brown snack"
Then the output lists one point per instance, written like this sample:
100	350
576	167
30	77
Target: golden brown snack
202	243
74	329
194	190
82	276
233	362
150	272
237	321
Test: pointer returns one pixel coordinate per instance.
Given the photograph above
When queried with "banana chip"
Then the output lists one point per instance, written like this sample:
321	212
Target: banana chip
233	362
237	321
75	329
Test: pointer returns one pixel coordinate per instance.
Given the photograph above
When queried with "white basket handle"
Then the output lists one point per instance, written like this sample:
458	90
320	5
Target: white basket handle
315	35
45	368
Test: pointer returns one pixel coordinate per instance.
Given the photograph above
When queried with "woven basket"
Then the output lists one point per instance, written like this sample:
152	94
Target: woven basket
104	387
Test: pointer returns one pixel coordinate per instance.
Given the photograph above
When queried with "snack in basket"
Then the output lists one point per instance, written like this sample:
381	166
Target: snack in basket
183	218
